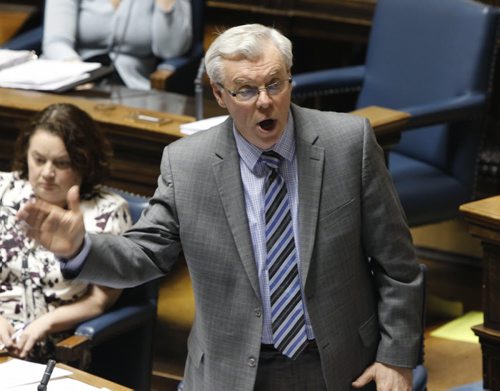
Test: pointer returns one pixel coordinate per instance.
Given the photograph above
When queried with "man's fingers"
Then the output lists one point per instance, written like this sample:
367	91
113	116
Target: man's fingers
33	213
366	377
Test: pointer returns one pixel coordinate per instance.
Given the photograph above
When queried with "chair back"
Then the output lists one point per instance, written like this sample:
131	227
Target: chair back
426	51
149	290
126	353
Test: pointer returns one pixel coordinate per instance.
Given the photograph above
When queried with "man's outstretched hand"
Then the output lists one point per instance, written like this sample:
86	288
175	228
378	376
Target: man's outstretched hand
59	230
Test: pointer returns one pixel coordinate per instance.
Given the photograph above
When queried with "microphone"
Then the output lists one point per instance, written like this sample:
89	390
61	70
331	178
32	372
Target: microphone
198	90
46	375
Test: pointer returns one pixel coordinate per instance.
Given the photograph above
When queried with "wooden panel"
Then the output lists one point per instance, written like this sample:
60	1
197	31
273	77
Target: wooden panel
12	18
483	217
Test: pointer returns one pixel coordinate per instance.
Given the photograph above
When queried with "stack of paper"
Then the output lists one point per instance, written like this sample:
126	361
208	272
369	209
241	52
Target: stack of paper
10	58
16	373
46	75
196	126
20	375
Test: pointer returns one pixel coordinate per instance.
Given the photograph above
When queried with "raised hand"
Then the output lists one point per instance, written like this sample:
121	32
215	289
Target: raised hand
59	230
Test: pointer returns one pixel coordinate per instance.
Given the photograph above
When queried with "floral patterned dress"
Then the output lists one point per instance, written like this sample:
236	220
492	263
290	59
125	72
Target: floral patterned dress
31	282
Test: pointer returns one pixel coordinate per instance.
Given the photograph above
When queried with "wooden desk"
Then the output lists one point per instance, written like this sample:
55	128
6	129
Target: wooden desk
483	217
86	377
138	145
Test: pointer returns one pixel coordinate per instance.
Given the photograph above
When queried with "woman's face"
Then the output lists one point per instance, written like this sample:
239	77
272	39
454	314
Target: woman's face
49	168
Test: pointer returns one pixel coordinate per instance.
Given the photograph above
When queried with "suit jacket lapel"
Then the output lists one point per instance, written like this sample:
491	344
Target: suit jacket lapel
227	174
310	161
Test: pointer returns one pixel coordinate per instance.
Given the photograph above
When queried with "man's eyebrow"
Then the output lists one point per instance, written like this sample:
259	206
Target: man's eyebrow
243	80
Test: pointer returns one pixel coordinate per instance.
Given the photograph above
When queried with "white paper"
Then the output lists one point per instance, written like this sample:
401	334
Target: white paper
45	74
196	126
65	384
9	58
15	372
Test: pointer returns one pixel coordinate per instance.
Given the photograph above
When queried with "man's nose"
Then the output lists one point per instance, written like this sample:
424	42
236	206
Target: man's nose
263	98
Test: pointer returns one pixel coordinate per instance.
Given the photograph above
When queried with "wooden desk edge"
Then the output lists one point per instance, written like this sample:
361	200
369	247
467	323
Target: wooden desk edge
92	379
486	209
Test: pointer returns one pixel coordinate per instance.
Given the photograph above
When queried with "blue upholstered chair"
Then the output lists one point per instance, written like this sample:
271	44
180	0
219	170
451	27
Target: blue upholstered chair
432	59
119	342
175	74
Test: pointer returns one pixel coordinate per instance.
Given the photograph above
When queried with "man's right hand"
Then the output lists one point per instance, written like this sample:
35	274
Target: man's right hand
59	230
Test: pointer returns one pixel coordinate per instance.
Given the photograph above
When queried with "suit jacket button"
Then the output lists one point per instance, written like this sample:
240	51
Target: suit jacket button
258	312
252	362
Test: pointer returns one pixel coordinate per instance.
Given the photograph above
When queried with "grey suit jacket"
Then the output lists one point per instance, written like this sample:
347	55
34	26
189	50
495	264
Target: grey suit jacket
362	283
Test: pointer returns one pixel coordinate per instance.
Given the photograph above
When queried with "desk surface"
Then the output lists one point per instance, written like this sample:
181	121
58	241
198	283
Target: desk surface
85	377
167	102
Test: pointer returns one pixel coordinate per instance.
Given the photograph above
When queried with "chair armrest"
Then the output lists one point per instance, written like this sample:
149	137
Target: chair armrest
159	79
176	63
166	68
72	348
383	120
328	81
449	110
173	64
115	322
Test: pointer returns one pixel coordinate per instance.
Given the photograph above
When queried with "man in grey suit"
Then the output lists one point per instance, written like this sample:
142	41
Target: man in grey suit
302	264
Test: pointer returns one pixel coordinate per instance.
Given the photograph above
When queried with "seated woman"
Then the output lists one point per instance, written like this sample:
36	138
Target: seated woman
60	148
129	34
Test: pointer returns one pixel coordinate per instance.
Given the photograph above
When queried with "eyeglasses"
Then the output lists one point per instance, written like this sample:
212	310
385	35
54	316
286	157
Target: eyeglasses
247	94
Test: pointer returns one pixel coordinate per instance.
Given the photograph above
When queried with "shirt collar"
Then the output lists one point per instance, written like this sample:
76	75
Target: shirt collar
250	153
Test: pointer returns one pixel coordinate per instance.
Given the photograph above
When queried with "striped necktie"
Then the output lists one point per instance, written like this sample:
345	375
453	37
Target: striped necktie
287	311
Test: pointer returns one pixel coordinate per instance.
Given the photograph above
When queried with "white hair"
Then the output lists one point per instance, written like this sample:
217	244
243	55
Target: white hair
246	42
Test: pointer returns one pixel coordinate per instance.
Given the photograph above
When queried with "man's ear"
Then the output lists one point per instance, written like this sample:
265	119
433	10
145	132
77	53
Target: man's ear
218	95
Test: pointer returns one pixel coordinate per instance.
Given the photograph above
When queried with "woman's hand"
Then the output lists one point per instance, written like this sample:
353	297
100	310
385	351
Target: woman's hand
36	331
6	331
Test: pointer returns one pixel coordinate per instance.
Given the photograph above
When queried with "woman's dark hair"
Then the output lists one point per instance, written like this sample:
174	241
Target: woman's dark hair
88	150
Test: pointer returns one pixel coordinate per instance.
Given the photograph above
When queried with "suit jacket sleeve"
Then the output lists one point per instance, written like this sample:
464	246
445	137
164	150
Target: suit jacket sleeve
396	274
146	251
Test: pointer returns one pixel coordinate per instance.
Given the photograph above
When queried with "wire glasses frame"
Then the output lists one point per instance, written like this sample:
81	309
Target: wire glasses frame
247	94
